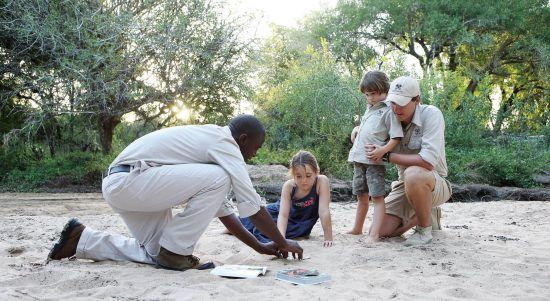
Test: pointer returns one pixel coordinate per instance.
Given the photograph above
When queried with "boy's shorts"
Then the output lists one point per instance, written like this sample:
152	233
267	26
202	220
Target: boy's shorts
368	178
397	203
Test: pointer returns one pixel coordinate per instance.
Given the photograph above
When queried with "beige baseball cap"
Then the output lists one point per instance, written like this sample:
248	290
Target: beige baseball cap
402	90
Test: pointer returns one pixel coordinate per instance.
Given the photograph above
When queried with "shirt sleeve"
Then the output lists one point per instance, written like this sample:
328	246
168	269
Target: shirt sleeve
395	130
226	154
226	209
433	135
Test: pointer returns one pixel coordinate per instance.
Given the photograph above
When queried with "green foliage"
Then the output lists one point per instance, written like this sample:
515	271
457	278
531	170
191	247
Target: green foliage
512	164
266	155
501	43
72	69
102	59
465	127
74	168
314	109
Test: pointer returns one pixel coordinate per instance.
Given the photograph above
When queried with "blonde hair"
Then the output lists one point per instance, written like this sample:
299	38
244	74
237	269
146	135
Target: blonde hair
375	81
301	159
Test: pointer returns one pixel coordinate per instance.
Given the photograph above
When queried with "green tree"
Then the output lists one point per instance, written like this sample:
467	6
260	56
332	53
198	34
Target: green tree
315	108
108	58
503	40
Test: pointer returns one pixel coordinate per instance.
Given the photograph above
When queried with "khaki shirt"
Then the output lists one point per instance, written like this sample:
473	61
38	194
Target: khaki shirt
378	125
425	135
207	144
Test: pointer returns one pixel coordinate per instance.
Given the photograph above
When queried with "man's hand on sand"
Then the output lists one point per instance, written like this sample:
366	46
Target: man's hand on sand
269	248
291	247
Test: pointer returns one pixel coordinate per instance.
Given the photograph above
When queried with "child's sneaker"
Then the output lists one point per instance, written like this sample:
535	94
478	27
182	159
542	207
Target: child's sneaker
436	218
421	236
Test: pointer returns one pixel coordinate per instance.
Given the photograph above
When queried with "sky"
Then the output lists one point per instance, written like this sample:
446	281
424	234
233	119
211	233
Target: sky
281	12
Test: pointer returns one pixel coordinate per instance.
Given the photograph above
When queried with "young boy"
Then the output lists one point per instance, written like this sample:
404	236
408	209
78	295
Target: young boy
378	125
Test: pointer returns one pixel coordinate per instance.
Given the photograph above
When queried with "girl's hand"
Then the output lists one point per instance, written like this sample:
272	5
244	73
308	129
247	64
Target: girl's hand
327	243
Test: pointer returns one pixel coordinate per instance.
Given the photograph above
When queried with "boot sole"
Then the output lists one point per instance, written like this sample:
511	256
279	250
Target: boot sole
63	237
203	266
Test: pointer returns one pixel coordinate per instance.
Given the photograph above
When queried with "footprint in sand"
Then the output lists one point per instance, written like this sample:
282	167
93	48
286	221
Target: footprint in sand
460	293
16	251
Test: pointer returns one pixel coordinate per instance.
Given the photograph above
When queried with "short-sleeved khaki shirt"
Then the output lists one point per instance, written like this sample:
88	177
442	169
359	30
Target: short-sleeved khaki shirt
425	136
206	144
378	125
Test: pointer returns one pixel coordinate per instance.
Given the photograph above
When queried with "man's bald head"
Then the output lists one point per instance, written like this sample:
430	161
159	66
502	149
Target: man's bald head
249	133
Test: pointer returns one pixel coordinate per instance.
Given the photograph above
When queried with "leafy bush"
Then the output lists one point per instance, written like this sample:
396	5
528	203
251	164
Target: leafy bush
74	168
498	165
466	116
313	109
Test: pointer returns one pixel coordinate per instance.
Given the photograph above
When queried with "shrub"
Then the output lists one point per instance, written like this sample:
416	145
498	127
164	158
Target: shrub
73	168
498	165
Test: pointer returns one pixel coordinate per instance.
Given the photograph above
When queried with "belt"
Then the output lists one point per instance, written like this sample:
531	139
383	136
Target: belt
119	168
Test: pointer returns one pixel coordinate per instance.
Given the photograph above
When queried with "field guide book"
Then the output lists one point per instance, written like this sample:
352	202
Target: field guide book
239	271
302	276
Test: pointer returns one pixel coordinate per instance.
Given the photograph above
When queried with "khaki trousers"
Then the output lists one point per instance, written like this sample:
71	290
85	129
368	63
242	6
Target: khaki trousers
144	199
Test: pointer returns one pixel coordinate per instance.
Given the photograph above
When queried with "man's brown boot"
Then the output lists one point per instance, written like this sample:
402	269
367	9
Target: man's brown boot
172	261
65	247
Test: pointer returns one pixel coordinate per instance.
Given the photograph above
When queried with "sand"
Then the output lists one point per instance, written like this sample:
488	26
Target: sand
486	251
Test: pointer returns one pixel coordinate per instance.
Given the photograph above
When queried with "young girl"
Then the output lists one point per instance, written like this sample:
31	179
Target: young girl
304	199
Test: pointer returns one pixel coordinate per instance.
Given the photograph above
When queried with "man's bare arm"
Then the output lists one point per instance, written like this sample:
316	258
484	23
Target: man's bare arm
263	221
409	160
234	225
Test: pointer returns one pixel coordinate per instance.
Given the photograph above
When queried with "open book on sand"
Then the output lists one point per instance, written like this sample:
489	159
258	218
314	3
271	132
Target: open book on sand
302	276
239	271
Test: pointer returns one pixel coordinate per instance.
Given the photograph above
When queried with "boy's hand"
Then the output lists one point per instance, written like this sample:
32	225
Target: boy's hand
374	152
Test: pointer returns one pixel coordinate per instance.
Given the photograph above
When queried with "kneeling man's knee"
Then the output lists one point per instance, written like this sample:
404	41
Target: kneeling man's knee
415	175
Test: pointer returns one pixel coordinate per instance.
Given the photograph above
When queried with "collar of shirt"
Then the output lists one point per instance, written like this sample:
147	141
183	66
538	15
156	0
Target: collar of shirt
377	105
416	117
227	132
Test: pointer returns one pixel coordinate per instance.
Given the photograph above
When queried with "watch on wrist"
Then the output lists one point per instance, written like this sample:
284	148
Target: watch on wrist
386	157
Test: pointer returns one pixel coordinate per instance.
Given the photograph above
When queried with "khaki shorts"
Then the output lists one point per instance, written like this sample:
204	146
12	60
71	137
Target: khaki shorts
368	178
397	203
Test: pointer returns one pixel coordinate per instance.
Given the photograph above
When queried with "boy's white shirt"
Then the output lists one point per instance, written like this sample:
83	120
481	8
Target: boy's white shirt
378	125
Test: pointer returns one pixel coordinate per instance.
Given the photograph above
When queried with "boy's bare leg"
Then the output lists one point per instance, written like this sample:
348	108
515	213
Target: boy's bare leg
378	218
360	214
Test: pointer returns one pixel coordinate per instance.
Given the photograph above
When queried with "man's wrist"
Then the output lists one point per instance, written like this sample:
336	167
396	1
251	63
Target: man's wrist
386	157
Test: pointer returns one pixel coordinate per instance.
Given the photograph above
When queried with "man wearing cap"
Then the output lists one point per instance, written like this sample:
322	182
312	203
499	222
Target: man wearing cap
422	167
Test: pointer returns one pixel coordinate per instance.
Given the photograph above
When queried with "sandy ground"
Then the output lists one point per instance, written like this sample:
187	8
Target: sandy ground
486	251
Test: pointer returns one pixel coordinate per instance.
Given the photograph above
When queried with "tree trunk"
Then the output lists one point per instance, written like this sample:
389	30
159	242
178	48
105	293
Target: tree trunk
504	110
452	58
51	145
107	126
472	85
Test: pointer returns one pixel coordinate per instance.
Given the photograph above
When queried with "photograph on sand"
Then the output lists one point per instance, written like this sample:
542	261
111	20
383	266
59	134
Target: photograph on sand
401	148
